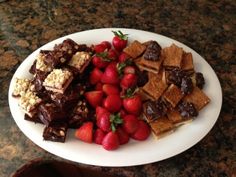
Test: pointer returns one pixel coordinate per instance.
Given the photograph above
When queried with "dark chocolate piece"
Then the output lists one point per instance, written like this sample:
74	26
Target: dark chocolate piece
38	80
80	114
35	118
187	110
68	100
154	110
186	85
200	81
175	76
153	51
69	46
32	69
52	114
56	132
142	78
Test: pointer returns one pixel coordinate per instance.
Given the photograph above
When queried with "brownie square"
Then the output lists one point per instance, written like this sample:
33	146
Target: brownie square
56	132
50	114
35	118
80	114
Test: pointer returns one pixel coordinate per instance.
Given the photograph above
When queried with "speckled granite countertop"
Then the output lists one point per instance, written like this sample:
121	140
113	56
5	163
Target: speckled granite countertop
207	27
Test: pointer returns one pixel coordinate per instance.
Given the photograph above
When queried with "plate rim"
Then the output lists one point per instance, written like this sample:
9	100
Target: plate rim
110	29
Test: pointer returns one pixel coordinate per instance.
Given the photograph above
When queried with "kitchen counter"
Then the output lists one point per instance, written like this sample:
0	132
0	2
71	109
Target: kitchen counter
205	26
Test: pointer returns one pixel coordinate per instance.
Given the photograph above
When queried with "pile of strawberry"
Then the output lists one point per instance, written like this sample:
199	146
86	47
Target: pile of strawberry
117	105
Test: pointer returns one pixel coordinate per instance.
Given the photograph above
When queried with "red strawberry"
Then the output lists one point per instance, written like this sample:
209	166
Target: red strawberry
112	103
100	48
123	57
99	62
128	81
110	141
98	136
129	70
112	54
103	122
122	113
122	135
133	105
98	86
120	40
109	89
142	132
85	132
94	98
107	44
100	110
130	123
95	76
110	76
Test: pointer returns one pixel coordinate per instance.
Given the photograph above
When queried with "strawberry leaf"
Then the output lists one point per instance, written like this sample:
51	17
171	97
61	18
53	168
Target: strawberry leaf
104	56
115	120
130	92
122	65
120	35
113	127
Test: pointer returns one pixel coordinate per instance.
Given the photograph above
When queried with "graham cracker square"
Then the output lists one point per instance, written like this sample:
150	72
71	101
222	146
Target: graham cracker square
173	95
173	56
198	98
161	126
155	85
175	117
187	62
135	49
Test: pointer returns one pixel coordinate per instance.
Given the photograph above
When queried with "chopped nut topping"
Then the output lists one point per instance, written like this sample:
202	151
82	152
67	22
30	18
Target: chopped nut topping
21	86
29	101
79	59
40	65
57	78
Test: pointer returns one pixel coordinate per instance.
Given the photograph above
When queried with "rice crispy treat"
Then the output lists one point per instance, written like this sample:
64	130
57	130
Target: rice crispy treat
58	80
